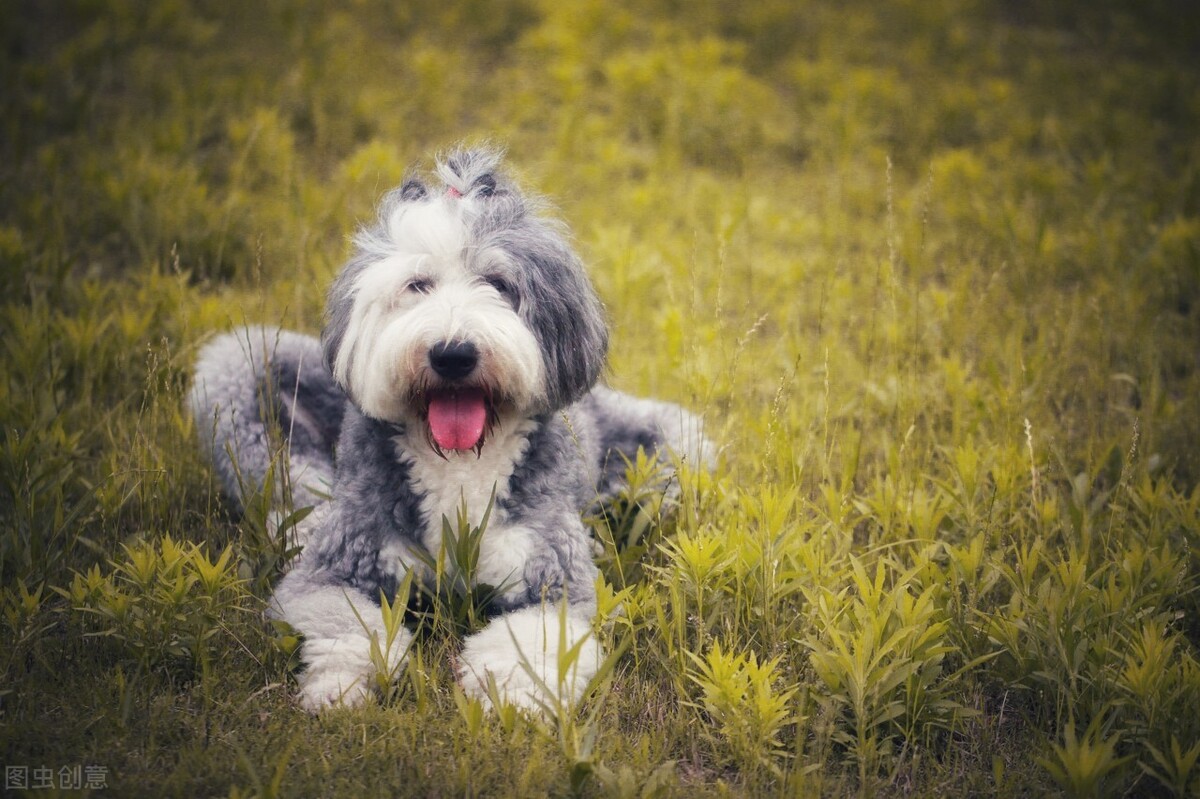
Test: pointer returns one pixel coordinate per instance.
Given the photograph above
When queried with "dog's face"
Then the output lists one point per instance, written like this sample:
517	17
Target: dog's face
461	307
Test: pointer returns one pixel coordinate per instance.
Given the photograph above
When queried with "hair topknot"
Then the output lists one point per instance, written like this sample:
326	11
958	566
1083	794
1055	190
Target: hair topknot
476	171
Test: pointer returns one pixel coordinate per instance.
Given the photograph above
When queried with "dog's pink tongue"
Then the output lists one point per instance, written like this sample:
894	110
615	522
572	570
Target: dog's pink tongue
457	418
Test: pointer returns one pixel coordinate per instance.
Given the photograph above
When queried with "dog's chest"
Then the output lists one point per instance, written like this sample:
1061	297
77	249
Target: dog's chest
462	480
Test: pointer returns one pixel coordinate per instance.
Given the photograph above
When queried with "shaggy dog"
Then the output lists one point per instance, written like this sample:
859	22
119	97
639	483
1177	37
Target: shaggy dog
458	367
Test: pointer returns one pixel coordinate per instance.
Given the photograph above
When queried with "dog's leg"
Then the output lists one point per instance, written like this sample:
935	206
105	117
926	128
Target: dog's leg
542	652
339	624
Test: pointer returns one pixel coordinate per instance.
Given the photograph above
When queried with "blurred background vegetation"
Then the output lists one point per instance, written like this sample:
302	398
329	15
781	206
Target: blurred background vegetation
931	270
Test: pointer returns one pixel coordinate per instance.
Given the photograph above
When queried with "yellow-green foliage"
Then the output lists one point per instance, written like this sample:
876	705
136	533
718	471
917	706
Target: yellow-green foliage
167	603
929	269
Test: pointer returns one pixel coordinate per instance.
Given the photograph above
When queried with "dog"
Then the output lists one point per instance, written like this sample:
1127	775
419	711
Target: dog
458	367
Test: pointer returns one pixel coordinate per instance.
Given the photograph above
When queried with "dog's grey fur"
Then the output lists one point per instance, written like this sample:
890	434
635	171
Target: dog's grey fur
557	442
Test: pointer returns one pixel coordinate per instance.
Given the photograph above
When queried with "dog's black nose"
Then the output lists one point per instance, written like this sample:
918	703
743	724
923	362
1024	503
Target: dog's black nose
453	360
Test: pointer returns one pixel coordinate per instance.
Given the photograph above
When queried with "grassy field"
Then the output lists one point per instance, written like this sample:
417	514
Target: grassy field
930	270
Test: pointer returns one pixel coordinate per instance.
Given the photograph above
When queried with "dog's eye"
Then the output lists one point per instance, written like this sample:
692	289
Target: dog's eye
419	285
502	287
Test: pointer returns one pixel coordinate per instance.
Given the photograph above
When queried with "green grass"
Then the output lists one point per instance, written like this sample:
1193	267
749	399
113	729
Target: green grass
930	270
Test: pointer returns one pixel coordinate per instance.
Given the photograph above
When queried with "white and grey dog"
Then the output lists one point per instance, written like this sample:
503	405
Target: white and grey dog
460	357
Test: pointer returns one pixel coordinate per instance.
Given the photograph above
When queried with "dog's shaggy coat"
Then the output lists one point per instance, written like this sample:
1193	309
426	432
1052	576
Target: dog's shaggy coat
459	361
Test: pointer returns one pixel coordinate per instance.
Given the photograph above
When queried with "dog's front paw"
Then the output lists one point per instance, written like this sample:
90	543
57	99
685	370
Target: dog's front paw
345	671
519	652
324	688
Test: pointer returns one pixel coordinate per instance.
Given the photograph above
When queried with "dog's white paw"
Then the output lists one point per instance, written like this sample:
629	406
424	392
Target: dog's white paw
519	651
325	688
341	671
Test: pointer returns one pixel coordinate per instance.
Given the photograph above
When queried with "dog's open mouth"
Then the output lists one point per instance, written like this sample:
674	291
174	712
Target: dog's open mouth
458	418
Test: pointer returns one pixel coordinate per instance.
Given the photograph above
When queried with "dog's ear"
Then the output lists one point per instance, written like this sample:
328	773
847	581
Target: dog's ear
339	308
561	307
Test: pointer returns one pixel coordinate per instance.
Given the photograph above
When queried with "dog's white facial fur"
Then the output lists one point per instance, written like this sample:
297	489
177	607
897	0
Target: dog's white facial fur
427	286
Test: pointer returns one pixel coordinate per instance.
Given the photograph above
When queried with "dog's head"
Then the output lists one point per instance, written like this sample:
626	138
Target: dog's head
462	306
